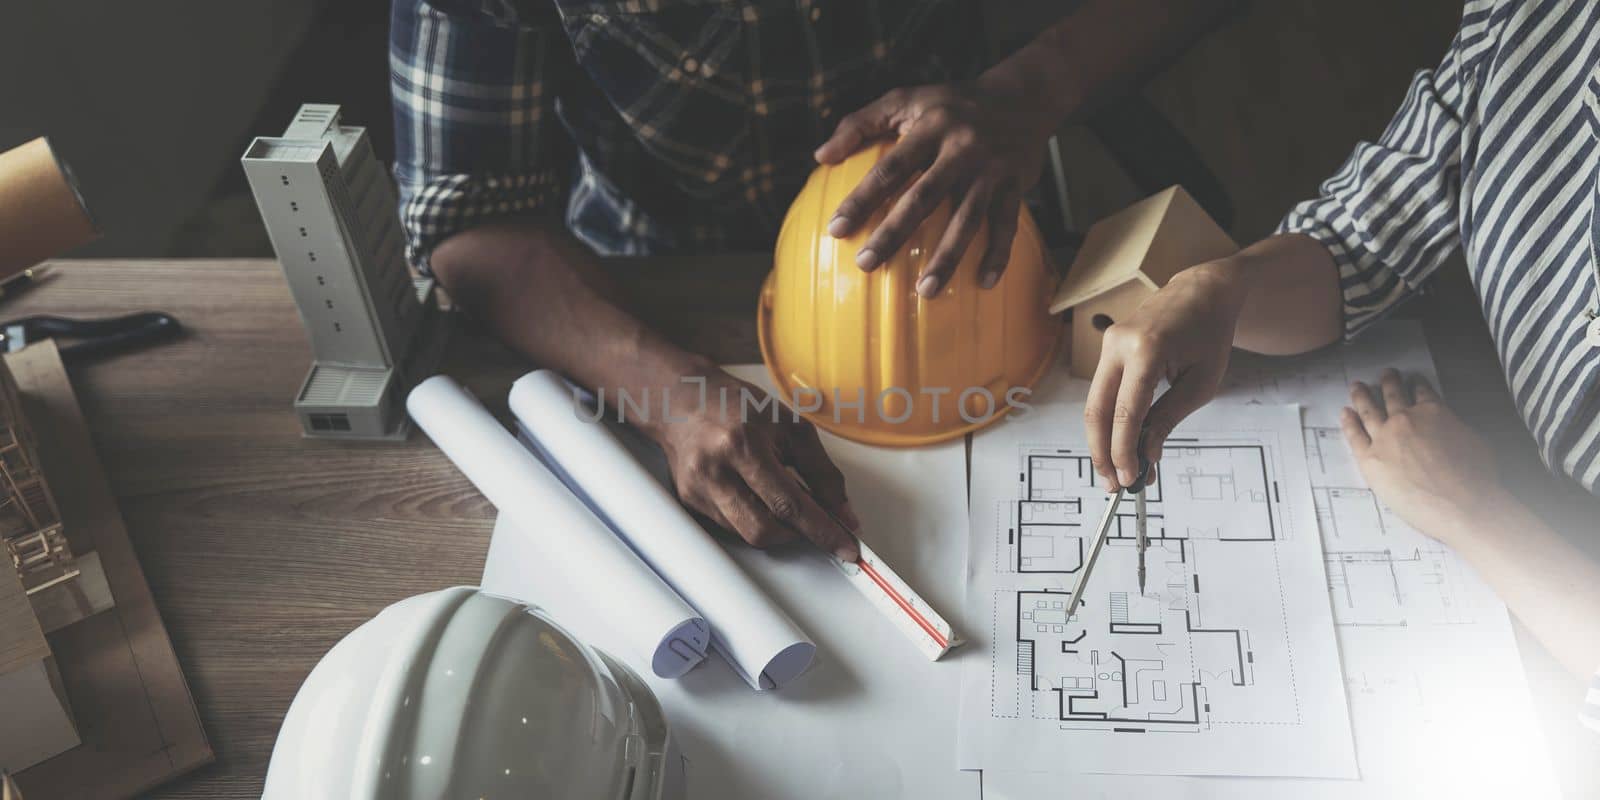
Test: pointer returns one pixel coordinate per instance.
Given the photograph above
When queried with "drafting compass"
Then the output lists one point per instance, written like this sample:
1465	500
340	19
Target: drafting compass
1109	519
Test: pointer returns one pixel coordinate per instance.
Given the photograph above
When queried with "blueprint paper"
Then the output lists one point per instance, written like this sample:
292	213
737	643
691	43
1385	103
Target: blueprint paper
872	717
651	621
766	648
1438	697
1227	665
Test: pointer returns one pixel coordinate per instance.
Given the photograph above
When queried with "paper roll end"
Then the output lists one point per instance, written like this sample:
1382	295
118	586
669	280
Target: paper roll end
791	662
682	649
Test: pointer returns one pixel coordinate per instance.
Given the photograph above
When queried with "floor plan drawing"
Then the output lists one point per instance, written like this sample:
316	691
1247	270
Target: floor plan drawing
1427	651
1133	663
1228	650
1393	587
1327	457
1213	481
1141	680
1258	379
1381	572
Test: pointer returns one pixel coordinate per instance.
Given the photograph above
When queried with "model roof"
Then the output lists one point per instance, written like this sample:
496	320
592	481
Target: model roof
1149	241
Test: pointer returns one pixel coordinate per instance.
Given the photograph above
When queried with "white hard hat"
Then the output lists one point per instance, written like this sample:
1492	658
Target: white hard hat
461	694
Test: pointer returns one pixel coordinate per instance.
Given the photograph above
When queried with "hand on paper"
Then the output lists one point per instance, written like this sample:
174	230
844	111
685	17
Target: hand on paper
1418	456
1182	334
977	145
741	473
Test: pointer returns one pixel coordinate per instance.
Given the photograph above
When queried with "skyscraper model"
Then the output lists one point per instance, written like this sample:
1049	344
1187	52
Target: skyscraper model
330	209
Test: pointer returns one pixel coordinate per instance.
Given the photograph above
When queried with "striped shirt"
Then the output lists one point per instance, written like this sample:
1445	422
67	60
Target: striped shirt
1495	154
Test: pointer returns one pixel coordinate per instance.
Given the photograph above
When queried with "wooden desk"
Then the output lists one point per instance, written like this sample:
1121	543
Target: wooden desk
264	548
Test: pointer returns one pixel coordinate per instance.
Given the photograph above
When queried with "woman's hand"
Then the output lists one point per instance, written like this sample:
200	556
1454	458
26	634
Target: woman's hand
1419	457
767	481
1183	334
978	145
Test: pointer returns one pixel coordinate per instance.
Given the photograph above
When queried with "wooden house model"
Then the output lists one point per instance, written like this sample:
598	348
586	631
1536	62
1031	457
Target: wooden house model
43	587
1125	258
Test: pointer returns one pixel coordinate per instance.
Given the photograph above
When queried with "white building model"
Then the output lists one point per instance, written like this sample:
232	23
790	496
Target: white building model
330	209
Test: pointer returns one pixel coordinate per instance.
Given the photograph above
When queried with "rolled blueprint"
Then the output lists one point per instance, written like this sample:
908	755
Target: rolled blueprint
758	640
667	632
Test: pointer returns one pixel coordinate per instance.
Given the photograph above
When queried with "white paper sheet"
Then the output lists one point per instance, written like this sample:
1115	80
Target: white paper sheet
564	536
1226	665
766	648
872	717
1437	693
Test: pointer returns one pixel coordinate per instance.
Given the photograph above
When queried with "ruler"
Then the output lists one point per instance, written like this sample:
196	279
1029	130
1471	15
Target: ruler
903	606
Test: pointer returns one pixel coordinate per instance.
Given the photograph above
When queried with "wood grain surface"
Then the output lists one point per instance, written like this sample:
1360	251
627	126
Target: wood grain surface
134	713
264	548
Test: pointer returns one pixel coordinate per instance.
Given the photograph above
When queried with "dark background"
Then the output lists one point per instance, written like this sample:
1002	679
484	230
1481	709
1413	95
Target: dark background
152	102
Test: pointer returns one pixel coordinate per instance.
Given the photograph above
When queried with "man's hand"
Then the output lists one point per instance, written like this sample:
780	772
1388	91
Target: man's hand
972	144
769	482
1418	456
980	145
1182	334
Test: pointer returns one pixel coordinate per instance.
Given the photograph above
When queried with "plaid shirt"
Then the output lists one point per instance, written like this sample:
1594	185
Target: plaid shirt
663	126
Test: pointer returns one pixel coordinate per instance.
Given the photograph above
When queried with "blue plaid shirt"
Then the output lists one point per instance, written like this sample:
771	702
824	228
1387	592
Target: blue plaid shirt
659	126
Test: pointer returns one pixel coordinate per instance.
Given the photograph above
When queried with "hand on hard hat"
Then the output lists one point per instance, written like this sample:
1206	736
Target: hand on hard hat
1183	334
767	481
863	357
972	144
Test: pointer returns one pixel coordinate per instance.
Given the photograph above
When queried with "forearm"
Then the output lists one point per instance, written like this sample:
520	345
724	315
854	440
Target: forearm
545	294
1548	583
1286	290
1102	48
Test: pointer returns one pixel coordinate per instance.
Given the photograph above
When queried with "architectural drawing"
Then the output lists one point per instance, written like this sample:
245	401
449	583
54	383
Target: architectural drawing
1327	458
1138	679
1427	651
1227	656
1216	483
1381	572
1262	379
1136	663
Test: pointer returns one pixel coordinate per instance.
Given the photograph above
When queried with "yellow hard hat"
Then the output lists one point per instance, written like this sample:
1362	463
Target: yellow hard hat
860	354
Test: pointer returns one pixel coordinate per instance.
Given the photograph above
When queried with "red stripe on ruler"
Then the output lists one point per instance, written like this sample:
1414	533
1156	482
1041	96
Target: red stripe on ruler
916	616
